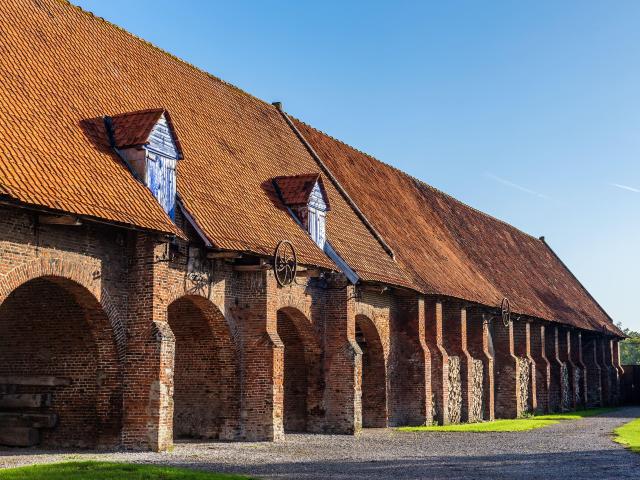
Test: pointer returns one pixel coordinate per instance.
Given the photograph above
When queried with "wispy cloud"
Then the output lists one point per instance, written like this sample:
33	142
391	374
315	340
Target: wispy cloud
515	185
625	187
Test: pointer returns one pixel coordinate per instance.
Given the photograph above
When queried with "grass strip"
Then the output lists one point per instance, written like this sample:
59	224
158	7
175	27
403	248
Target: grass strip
629	435
515	425
109	471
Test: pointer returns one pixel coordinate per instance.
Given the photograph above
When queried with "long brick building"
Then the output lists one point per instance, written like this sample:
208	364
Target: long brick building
142	298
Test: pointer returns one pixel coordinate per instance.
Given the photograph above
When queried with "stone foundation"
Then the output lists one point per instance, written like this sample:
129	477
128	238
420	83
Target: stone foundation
477	380
524	382
455	391
577	382
565	388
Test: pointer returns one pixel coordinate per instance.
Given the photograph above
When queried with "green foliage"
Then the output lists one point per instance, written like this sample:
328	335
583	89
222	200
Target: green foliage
630	347
517	425
629	435
108	471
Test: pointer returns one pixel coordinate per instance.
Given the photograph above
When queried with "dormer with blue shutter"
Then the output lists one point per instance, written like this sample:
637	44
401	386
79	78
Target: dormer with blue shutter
306	198
147	142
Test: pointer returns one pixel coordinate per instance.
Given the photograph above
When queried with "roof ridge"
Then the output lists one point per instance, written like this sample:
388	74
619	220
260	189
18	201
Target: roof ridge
421	182
164	52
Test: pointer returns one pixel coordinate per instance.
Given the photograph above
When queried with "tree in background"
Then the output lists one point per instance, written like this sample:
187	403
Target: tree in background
630	347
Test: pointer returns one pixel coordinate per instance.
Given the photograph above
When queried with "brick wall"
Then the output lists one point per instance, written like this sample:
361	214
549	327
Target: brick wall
206	371
53	327
572	383
527	385
580	380
506	370
439	360
555	368
480	346
374	378
538	344
592	364
409	363
303	382
161	341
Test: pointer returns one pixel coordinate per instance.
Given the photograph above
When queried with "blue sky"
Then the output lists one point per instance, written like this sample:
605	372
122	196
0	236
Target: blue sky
528	111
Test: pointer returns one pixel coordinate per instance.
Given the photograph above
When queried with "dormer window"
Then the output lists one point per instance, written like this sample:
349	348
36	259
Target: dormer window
307	199
147	141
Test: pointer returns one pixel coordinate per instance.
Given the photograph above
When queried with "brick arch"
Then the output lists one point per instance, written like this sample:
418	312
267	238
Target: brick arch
83	275
295	301
374	373
369	311
302	371
52	325
206	370
205	296
176	293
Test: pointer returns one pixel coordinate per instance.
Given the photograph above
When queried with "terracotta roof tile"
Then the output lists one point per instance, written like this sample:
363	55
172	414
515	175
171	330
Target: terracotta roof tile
45	157
295	190
452	249
133	128
60	65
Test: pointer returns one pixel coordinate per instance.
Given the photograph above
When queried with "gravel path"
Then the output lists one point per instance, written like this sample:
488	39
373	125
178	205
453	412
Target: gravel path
569	450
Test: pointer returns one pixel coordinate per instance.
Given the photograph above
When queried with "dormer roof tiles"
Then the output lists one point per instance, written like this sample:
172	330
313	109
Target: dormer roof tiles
296	189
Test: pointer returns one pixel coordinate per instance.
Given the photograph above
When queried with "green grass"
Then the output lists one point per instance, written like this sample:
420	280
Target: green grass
108	471
577	415
629	435
517	425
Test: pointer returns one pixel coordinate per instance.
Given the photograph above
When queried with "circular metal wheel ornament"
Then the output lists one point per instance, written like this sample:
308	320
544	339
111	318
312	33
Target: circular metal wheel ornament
285	263
505	308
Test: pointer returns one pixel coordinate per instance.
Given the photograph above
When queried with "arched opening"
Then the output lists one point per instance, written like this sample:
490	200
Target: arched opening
59	366
301	372
374	378
206	378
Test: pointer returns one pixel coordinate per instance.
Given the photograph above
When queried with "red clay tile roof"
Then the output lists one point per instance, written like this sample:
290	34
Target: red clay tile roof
46	158
295	190
132	129
452	249
60	65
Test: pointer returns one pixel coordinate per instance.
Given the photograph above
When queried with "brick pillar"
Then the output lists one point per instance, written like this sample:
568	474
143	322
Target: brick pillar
480	346
542	367
148	371
615	346
557	388
507	370
262	357
439	360
613	371
605	370
454	338
594	375
471	387
564	353
578	360
343	363
410	364
527	372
